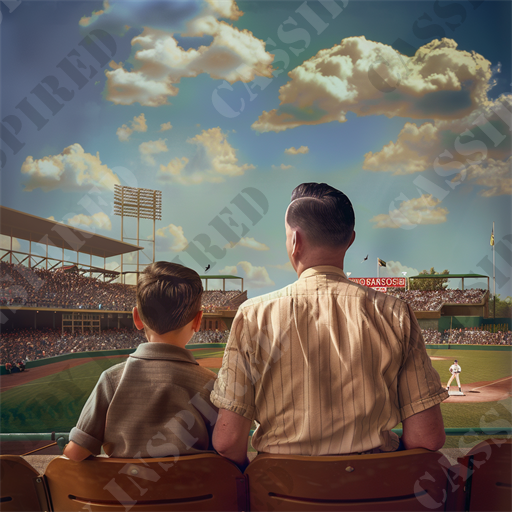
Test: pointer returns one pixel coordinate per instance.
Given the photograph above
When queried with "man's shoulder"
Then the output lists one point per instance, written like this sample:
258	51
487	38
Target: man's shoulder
262	300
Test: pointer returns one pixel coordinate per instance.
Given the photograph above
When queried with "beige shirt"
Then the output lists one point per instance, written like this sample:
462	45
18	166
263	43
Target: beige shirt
156	404
326	366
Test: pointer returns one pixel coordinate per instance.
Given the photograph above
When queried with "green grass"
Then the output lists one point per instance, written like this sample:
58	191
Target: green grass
476	365
54	403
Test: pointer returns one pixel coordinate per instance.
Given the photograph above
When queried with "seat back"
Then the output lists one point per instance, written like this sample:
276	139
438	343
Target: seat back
186	483
407	480
21	487
488	476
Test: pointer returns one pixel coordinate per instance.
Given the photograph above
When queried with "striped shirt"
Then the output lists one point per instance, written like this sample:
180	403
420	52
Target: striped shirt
326	366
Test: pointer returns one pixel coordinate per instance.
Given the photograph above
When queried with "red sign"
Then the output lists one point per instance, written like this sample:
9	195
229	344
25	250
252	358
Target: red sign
375	282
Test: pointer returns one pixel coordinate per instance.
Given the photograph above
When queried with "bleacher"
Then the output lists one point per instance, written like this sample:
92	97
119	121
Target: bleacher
42	288
408	480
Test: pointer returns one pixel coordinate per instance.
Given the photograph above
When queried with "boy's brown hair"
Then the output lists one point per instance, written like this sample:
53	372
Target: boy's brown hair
168	296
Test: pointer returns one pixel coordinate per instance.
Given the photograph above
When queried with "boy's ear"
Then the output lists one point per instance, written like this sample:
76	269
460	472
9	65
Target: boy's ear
136	319
196	323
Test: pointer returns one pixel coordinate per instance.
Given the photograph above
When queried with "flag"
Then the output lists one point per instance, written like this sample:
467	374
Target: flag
382	263
492	236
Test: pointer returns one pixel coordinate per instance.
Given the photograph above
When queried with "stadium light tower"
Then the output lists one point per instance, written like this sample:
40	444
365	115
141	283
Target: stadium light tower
140	203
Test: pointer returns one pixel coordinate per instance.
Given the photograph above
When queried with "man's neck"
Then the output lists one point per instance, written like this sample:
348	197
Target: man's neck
320	261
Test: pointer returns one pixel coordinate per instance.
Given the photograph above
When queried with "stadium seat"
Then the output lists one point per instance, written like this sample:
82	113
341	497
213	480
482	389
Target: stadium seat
408	480
192	482
487	473
21	488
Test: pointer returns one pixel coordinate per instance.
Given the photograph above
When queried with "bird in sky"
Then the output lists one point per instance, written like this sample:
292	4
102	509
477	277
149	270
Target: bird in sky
207	268
365	258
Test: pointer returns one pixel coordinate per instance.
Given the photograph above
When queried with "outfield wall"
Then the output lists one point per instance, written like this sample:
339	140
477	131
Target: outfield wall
98	353
455	346
461	322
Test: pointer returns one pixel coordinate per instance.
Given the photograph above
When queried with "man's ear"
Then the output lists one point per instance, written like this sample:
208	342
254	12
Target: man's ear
352	238
136	319
196	323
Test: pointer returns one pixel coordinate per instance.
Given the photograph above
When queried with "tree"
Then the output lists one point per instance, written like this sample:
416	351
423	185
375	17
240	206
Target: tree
503	307
429	284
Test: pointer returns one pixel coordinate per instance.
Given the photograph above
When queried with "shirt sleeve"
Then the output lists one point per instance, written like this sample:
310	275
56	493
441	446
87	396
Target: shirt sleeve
234	387
419	384
90	429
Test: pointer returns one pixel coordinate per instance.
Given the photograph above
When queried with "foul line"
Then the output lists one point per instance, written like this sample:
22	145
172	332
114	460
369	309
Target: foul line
492	383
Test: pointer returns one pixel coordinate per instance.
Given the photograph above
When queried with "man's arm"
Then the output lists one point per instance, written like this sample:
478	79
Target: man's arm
230	437
424	430
76	452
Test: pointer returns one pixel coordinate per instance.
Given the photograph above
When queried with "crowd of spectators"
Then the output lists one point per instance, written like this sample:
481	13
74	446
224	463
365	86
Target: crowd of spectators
477	337
433	300
210	337
217	299
20	285
32	344
431	336
42	288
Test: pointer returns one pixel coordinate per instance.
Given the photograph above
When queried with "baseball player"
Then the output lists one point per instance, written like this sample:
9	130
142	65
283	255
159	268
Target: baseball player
455	371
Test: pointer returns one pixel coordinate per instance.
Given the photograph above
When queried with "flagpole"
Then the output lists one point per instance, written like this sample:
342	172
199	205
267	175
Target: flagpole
378	273
494	273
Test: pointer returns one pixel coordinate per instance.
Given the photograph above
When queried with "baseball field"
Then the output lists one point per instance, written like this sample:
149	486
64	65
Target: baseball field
49	398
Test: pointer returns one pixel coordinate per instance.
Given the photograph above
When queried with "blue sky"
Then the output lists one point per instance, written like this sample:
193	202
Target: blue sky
405	106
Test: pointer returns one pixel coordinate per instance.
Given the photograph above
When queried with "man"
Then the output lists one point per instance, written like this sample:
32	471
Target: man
325	366
455	370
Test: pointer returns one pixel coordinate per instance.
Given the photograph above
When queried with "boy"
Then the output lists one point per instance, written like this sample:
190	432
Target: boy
157	403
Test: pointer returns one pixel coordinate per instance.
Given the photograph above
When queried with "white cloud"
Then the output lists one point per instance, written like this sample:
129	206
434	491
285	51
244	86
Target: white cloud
138	125
287	266
229	270
412	212
160	63
250	243
71	170
175	235
214	160
420	148
150	148
254	277
494	175
303	150
98	220
5	243
123	133
395	269
443	83
282	167
413	151
165	126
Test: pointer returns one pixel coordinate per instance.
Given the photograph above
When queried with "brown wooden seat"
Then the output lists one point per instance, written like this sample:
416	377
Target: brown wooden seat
487	473
192	482
407	480
21	487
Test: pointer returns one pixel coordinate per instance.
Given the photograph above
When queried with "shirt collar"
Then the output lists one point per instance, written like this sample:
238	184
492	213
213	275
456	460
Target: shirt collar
163	351
322	269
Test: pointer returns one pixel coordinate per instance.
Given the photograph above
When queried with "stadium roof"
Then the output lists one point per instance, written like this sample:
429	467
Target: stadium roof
29	227
434	276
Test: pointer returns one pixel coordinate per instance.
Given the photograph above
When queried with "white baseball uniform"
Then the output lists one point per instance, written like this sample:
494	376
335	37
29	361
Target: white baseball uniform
455	370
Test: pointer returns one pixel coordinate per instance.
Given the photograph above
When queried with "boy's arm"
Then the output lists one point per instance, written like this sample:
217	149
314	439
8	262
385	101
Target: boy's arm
88	436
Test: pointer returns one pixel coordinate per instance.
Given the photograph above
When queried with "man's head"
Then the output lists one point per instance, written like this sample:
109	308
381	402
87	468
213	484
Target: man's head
319	219
455	361
168	296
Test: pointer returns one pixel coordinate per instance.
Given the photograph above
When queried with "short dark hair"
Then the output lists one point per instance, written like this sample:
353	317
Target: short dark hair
168	296
324	213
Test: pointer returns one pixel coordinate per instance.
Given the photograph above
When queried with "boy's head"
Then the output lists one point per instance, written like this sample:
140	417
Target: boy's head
168	296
